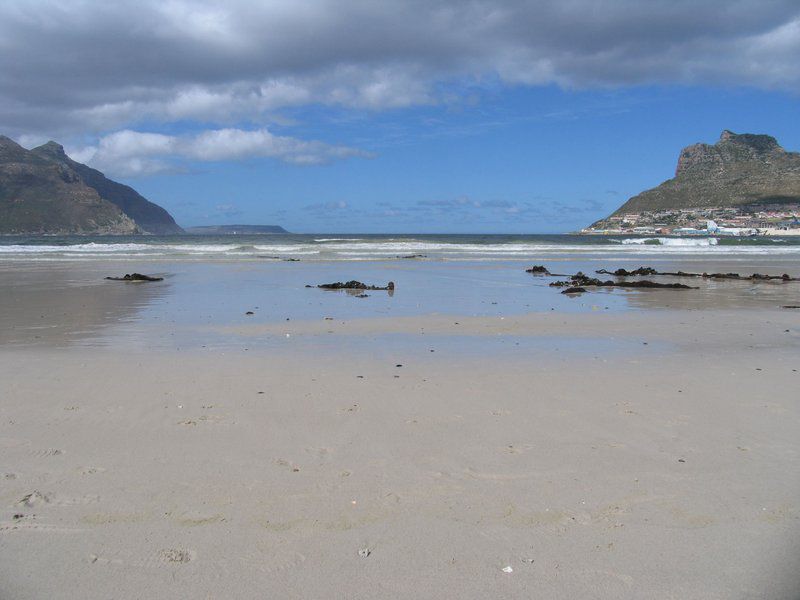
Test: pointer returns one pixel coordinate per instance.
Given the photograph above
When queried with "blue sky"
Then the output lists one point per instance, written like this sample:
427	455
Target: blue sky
399	116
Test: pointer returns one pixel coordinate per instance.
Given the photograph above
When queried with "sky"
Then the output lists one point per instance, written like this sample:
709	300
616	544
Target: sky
366	116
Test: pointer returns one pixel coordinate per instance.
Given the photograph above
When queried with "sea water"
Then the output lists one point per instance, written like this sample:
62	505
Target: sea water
356	247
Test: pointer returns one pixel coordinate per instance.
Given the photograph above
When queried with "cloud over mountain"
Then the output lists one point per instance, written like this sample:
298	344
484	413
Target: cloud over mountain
129	153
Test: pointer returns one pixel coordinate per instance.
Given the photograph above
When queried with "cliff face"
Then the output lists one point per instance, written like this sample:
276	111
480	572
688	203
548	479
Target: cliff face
150	217
41	196
44	191
740	169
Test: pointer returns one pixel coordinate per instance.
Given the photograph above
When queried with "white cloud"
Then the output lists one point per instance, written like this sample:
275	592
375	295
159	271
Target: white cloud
132	153
78	67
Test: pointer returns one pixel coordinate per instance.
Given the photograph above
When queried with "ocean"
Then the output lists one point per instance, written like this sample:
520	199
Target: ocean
363	247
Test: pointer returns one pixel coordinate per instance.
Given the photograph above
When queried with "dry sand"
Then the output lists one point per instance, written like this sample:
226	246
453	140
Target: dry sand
658	461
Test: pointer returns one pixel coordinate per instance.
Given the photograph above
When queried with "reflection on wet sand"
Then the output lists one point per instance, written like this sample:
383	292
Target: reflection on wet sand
713	295
59	305
63	304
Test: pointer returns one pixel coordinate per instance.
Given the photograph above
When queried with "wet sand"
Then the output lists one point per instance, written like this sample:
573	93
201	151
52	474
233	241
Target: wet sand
627	452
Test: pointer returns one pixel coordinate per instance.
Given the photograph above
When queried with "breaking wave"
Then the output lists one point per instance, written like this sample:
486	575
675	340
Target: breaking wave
382	247
662	241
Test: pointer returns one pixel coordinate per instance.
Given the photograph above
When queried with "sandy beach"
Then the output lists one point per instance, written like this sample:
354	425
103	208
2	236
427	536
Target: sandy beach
587	453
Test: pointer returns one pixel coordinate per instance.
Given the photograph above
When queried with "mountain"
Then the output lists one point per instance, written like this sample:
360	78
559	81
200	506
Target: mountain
41	196
150	217
740	170
235	229
43	191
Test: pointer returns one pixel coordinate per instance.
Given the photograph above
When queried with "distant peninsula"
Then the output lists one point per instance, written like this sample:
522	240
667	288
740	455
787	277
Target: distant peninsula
743	180
234	229
44	191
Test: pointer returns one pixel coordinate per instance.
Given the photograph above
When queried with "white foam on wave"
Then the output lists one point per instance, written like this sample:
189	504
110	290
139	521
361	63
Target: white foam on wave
94	247
661	241
383	249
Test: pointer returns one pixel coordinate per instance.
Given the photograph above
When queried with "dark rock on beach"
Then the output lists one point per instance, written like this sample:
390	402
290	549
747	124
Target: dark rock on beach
644	283
574	290
135	277
648	271
354	285
624	273
538	270
582	280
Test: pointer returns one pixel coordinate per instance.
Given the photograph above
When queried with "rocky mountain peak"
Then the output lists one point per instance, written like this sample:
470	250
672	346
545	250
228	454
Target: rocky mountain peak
731	148
51	149
757	141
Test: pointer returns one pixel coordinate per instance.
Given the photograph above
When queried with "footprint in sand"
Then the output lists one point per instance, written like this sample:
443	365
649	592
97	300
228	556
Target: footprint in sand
46	452
37	498
173	556
90	470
